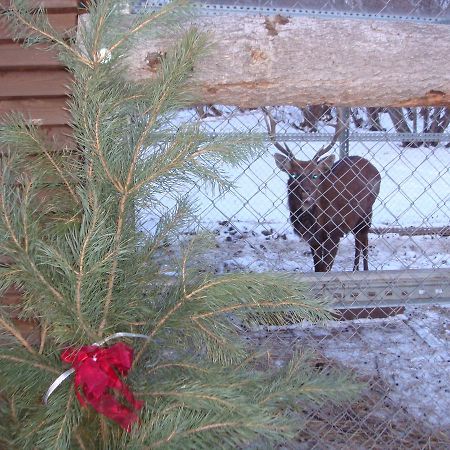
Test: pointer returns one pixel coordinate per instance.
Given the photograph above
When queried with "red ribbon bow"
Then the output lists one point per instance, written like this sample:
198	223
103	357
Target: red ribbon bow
97	380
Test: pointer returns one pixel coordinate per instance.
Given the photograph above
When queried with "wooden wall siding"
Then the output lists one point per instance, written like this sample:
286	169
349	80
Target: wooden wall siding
55	5
45	111
33	82
14	57
62	22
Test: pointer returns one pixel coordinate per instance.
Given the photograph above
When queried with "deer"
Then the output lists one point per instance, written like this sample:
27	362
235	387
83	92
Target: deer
329	199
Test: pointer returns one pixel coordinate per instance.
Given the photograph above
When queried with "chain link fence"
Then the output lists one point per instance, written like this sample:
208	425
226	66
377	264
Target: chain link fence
399	348
394	325
409	148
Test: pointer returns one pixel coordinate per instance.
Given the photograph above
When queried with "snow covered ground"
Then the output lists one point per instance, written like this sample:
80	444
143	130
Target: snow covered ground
246	246
251	220
408	355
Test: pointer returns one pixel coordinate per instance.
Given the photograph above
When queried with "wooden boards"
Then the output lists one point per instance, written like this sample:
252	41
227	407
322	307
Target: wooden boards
35	83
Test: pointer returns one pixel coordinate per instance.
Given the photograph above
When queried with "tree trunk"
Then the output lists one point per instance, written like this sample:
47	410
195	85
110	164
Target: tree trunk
401	126
373	116
311	116
440	119
258	60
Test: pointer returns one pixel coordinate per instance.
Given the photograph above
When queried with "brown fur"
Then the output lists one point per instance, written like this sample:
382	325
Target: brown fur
328	201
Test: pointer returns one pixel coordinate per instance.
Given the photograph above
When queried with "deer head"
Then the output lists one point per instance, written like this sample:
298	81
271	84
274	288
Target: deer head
305	177
271	124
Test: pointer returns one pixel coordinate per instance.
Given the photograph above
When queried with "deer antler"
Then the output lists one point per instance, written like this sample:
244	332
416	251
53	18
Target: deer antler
271	126
340	127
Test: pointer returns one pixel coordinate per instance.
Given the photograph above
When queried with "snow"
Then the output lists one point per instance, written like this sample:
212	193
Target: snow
408	353
259	248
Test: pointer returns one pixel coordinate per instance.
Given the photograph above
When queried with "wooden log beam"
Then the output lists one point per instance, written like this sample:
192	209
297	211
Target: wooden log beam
261	60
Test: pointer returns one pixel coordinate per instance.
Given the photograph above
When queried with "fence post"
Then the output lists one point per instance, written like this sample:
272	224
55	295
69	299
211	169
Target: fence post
344	143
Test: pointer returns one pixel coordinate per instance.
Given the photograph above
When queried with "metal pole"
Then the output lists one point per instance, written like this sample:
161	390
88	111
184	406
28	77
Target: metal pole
344	143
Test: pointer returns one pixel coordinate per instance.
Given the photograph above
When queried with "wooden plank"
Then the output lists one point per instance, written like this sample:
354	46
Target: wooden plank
50	111
10	301
367	313
11	297
36	84
60	136
5	261
48	4
14	56
61	22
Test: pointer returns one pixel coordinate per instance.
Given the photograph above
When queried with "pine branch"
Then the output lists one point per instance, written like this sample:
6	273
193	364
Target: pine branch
80	274
168	315
62	440
14	132
79	441
27	362
126	188
183	428
145	22
90	269
98	150
205	428
23	250
43	337
185	366
112	276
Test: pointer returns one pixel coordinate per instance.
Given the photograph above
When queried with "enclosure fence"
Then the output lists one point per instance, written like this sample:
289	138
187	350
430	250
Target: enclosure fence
396	333
398	348
426	11
409	227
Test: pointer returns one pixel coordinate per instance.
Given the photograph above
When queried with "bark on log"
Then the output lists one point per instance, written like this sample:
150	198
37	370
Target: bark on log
261	60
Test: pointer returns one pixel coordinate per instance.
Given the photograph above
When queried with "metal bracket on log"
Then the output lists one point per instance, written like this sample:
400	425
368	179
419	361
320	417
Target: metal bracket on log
380	293
343	11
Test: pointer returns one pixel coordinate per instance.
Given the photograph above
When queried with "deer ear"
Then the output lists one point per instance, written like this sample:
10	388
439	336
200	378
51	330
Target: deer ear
283	162
326	164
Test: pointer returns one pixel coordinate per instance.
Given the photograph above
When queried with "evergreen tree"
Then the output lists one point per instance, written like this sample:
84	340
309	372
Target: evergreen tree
68	222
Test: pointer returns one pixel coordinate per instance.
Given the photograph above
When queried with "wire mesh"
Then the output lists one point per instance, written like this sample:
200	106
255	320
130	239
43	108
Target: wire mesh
394	327
402	358
410	223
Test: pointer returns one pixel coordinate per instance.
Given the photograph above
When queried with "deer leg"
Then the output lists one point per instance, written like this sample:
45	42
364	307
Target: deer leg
317	257
330	248
365	250
358	245
362	244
